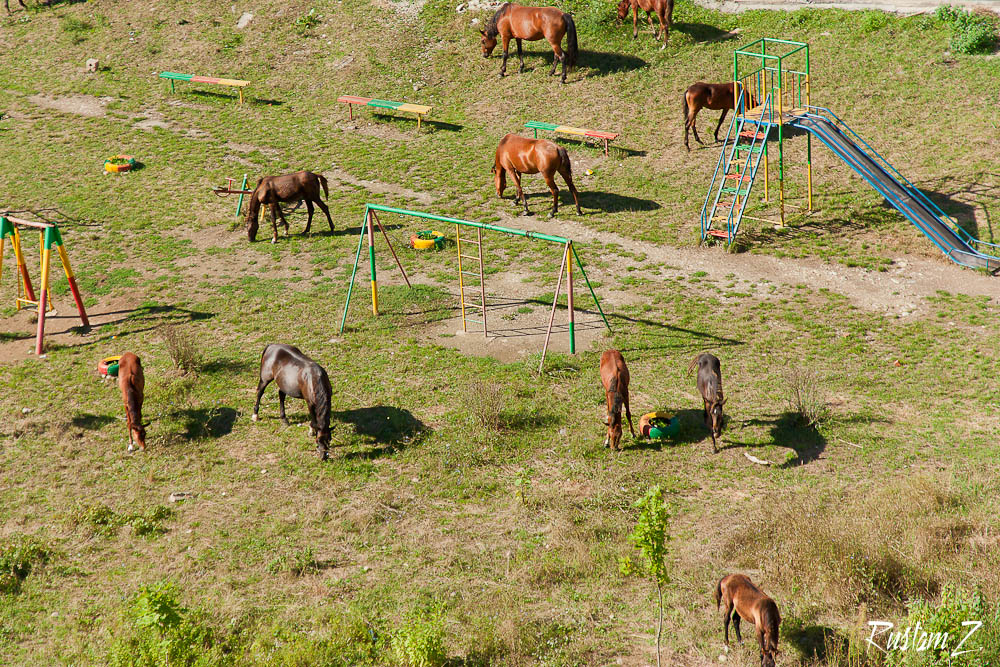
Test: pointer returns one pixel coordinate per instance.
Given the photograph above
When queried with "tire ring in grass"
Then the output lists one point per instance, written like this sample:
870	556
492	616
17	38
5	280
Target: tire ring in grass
108	366
665	426
125	163
418	243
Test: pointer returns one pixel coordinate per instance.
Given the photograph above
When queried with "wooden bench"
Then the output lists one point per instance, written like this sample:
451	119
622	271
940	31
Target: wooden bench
193	78
578	131
418	109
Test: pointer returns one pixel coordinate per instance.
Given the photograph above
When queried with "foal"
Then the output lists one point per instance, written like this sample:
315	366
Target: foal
132	382
664	11
298	376
710	388
744	600
614	377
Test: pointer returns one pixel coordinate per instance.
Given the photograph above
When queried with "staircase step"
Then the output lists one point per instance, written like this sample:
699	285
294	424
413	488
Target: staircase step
718	233
737	175
755	135
724	204
749	147
737	191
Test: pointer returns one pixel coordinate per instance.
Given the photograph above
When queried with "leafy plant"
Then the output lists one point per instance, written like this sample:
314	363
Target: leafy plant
76	28
107	521
957	606
306	22
18	555
650	538
523	484
420	641
971	33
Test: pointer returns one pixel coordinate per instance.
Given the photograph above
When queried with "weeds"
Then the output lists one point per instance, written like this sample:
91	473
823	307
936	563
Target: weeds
182	348
806	396
107	522
77	29
306	22
420	641
486	403
972	33
18	555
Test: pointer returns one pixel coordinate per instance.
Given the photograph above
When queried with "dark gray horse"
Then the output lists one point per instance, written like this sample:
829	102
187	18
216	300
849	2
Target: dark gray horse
298	376
273	190
710	388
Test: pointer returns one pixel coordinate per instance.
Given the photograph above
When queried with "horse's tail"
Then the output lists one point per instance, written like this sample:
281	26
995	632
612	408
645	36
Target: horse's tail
564	159
718	593
684	107
694	362
322	181
571	46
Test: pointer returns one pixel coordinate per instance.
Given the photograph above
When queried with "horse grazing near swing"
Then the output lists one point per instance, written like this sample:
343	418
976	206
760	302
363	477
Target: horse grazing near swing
713	96
615	378
532	24
518	155
297	376
664	11
132	383
710	388
741	599
272	190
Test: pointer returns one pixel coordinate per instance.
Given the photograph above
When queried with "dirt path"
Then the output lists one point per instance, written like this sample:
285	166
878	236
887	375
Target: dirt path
902	7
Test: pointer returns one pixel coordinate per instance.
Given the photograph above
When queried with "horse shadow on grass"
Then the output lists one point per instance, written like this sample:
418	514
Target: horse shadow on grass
703	32
605	202
91	422
389	429
214	422
814	641
787	430
603	63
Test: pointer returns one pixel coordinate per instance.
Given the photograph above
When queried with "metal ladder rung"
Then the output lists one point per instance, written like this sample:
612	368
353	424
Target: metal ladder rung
468	241
474	305
469	319
470	258
471	273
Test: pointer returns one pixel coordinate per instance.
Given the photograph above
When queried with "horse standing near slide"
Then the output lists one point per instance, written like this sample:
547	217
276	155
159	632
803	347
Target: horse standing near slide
742	599
615	378
298	376
272	190
710	388
517	155
532	24
132	383
713	96
664	11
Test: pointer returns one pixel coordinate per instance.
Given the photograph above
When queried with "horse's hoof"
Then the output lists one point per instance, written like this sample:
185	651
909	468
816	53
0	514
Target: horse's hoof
312	432
254	417
131	448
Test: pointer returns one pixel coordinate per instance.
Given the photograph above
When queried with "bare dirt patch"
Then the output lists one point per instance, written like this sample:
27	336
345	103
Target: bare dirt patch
337	176
81	105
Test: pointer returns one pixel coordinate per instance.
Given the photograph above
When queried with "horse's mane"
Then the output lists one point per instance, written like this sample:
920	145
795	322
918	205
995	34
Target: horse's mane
491	25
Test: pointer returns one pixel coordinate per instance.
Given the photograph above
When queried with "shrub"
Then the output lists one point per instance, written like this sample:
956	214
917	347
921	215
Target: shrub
18	555
182	348
420	641
650	538
306	22
971	33
107	521
806	396
486	402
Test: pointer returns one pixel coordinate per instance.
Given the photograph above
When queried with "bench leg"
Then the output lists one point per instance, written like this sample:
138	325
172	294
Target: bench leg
171	86
605	148
418	122
350	110
536	133
241	95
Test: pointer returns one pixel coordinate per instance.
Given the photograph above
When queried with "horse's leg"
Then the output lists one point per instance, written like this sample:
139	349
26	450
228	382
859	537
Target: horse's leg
506	46
551	182
281	403
309	217
520	55
557	56
736	627
323	207
312	419
260	392
516	177
688	122
727	612
635	21
694	130
281	214
628	413
721	118
568	177
663	28
274	223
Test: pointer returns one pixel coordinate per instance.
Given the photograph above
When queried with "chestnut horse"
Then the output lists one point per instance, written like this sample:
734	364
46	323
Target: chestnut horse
132	383
297	376
271	190
713	96
742	599
664	11
532	24
710	388
517	155
614	377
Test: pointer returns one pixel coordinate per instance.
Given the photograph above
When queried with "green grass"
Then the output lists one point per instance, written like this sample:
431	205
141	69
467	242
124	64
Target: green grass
428	536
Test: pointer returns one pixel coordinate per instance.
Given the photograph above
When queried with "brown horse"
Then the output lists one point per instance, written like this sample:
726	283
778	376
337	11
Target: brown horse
615	378
742	599
132	382
517	155
7	4
297	376
713	96
532	24
271	190
710	388
664	11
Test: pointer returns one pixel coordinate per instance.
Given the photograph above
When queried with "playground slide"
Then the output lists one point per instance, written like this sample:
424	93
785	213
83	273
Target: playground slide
960	246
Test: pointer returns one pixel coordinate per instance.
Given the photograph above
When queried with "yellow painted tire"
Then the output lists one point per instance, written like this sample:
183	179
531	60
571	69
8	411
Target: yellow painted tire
109	166
108	366
418	243
654	432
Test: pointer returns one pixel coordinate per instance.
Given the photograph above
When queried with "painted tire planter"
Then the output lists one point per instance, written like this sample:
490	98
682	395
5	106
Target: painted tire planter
108	366
119	163
426	240
658	425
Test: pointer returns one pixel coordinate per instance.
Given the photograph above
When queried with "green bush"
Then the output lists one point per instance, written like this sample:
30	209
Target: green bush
956	606
306	22
420	641
18	555
971	33
107	521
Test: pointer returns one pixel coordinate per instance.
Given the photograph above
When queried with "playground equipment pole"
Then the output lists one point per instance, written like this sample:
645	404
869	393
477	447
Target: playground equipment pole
43	299
239	204
371	260
569	298
552	315
809	166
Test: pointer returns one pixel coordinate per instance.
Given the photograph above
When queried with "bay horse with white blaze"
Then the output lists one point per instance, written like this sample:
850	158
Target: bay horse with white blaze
132	383
518	155
710	388
741	599
272	190
664	11
532	24
298	376
615	378
713	96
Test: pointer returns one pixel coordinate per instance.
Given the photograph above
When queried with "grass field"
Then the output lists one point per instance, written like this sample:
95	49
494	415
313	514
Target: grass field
469	514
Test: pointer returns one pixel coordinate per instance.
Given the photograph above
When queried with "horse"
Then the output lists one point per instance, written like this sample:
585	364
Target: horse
664	11
532	24
710	388
132	383
713	96
518	155
20	2
615	378
298	376
271	190
740	595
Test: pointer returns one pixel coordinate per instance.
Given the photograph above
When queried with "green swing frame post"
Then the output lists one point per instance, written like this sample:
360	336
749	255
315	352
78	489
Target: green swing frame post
569	255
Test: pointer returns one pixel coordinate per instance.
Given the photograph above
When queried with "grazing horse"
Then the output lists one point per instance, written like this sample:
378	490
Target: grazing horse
298	376
532	24
664	11
271	190
713	96
614	377
710	388
742	599
132	382
517	155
